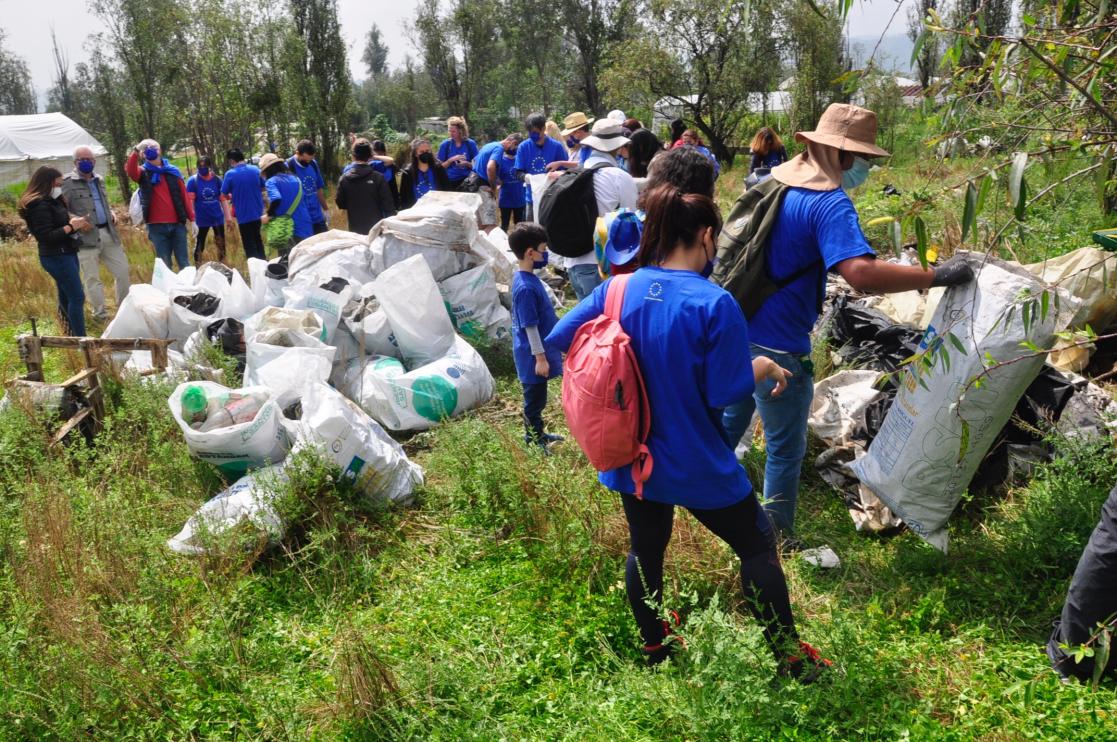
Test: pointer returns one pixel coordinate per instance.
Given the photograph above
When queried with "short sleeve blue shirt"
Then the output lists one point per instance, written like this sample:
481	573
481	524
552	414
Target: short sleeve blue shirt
311	178
813	227
481	162
283	188
534	158
691	341
207	200
448	149
511	191
531	307
244	184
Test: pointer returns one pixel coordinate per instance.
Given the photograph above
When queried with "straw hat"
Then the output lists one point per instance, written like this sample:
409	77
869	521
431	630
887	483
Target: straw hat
268	160
575	121
846	127
606	136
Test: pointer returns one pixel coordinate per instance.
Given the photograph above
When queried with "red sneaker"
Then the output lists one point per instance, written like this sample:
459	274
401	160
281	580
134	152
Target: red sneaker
671	643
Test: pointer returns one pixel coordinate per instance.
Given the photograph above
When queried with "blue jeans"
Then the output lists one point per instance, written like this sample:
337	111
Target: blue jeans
785	432
169	239
535	400
66	272
584	279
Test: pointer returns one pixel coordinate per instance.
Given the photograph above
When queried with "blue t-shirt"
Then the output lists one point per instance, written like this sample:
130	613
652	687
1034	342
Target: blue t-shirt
283	188
207	200
448	149
511	190
423	183
692	344
533	159
531	307
311	178
813	226
388	171
244	183
481	162
584	153
710	156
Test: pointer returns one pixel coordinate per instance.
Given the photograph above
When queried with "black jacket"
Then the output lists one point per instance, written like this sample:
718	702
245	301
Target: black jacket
365	196
407	183
46	220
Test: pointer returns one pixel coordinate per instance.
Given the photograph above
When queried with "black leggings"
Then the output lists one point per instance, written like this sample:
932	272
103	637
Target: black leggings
218	238
506	214
745	527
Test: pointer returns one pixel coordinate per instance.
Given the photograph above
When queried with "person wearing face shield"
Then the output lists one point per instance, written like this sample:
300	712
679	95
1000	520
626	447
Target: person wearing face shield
83	190
816	231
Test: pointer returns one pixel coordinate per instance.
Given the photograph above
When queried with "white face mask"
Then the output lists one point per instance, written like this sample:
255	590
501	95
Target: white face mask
56	192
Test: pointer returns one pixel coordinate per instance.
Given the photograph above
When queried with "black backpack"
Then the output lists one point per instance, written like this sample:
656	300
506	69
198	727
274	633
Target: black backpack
742	267
568	211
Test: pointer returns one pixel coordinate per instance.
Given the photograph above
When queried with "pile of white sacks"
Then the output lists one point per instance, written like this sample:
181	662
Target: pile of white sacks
363	333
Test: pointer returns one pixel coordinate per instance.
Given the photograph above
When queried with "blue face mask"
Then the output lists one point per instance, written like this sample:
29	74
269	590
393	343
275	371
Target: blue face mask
150	153
203	171
537	264
856	174
709	269
571	142
85	166
535	136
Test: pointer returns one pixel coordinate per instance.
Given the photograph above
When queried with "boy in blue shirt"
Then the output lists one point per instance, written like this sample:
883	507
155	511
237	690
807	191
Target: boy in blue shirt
533	318
511	199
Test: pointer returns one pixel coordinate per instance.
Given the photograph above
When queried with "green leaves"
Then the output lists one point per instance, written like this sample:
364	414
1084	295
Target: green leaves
1017	187
921	240
969	211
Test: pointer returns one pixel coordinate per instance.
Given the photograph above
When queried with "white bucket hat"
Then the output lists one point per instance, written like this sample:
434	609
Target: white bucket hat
606	136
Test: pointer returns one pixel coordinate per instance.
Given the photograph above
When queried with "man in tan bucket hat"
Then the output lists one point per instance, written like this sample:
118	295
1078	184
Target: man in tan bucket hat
816	231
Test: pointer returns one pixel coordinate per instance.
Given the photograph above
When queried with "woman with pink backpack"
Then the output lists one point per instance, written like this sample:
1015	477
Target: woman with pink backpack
690	343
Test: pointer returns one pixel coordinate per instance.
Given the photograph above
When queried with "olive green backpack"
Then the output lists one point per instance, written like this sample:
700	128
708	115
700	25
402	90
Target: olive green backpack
279	232
742	266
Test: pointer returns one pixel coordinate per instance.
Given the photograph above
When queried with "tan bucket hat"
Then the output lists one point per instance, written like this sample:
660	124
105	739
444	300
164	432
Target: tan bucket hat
575	121
268	160
846	127
606	136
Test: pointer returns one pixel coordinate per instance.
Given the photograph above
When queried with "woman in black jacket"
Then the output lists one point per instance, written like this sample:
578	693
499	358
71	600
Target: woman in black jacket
50	223
423	174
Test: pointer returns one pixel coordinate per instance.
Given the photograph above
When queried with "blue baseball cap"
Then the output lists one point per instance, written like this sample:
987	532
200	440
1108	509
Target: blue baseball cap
623	243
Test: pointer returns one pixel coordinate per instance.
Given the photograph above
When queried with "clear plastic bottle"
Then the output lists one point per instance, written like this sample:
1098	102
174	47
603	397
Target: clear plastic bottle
235	410
194	405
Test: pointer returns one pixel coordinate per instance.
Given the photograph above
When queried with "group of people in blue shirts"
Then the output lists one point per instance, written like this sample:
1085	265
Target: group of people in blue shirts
706	368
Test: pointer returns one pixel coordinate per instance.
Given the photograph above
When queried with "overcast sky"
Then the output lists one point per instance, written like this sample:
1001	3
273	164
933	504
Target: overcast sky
27	26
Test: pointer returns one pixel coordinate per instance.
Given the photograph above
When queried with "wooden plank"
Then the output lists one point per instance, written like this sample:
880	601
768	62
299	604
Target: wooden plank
80	377
31	353
70	424
92	353
60	341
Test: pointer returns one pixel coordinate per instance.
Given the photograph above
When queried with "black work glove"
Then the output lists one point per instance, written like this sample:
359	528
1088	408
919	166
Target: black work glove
953	272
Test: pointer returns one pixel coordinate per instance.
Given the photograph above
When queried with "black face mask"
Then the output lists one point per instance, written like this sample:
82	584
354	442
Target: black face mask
510	151
426	158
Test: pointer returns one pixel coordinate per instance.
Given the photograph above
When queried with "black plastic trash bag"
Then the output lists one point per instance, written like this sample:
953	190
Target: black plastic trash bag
201	303
334	285
229	335
277	269
1091	599
866	338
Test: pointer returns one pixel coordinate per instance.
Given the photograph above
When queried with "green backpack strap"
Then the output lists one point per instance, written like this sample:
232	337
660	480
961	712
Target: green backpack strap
296	200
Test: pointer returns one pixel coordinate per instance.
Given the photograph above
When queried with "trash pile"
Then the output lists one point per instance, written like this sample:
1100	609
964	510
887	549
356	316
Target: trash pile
905	446
346	336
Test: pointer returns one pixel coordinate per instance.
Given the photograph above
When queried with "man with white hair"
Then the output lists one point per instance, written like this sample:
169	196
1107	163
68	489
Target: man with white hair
84	192
167	211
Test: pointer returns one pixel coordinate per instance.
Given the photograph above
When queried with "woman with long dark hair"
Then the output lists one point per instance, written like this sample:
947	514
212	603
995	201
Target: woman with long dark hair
643	145
422	175
691	343
50	223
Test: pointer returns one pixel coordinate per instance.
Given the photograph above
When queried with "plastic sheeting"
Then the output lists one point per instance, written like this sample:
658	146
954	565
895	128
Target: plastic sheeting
31	141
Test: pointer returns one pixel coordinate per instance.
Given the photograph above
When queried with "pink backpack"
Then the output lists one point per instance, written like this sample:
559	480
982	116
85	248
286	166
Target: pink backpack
603	393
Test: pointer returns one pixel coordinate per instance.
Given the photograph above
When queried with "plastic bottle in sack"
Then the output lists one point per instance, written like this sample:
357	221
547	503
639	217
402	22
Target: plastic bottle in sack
236	410
194	405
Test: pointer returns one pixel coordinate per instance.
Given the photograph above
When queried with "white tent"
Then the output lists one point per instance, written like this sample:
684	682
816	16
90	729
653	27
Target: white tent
28	142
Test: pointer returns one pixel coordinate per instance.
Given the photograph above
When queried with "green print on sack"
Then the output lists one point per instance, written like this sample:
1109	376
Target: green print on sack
435	398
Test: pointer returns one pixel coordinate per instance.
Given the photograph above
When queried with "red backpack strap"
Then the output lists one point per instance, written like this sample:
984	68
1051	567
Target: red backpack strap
614	296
